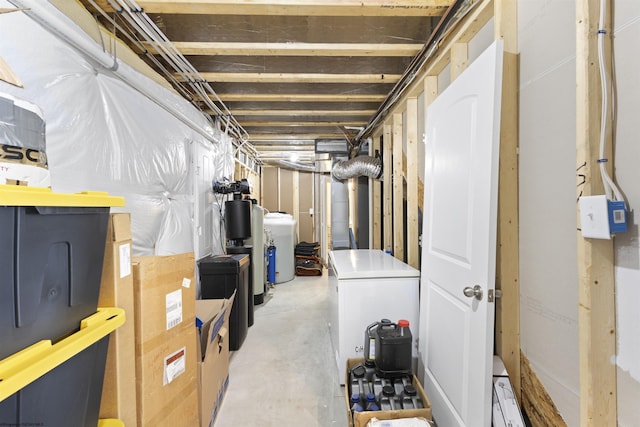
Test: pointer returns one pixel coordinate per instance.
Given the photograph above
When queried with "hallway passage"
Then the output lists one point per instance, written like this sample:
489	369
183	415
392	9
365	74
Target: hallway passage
285	373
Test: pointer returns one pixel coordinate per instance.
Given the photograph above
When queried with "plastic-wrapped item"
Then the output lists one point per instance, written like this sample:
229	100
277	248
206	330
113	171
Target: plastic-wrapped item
104	135
23	157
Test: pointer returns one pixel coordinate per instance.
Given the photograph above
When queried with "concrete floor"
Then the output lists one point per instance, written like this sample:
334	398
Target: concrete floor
285	373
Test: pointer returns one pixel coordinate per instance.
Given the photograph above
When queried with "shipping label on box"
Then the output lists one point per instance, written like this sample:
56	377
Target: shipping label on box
174	308
175	365
125	259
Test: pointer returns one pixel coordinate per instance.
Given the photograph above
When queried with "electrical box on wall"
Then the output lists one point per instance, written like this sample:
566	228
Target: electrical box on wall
600	217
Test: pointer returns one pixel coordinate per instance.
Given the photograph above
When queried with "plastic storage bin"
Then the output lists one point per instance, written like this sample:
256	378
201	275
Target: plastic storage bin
220	276
51	253
282	229
32	379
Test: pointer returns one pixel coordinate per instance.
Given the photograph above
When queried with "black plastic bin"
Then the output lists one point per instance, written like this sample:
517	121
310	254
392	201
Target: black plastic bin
50	270
220	276
69	395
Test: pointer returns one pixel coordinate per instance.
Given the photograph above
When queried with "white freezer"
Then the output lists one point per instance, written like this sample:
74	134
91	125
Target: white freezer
366	286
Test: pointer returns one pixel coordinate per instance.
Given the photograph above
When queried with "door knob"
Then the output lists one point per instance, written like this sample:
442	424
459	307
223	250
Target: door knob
470	292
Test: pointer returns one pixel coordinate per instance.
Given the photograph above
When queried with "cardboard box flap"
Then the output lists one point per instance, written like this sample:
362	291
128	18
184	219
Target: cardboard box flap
213	314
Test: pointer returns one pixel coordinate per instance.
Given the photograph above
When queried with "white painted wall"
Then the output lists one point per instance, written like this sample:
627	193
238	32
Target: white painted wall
548	261
627	247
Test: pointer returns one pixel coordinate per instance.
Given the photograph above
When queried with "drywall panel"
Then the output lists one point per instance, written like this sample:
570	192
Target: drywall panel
270	189
546	37
481	41
627	246
547	202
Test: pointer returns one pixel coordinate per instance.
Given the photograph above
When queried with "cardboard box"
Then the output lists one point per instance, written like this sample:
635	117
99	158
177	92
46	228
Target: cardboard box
213	349
166	347
116	290
360	419
505	405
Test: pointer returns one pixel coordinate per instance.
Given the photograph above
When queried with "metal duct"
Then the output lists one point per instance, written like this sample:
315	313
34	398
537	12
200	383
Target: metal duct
358	166
286	164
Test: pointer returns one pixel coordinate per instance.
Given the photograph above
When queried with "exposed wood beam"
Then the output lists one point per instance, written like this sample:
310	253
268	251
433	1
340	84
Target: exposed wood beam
301	124
398	188
387	187
596	275
507	333
376	202
295	7
306	97
289	136
285	147
295	49
7	75
413	247
297	78
300	113
286	155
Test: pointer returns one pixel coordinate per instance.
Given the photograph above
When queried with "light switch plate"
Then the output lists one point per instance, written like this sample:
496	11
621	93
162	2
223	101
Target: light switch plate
594	217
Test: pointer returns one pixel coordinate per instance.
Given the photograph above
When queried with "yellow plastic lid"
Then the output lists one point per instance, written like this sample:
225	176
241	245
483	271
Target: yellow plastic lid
110	422
22	368
16	195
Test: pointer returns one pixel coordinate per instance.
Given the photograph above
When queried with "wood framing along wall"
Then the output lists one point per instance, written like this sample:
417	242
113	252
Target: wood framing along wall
507	333
376	202
596	311
398	188
453	52
413	249
387	214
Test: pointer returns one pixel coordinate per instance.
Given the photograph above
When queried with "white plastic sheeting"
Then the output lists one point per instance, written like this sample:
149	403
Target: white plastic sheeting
104	135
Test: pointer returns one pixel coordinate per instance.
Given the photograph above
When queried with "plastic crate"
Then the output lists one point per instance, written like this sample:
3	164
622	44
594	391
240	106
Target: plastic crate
51	253
59	384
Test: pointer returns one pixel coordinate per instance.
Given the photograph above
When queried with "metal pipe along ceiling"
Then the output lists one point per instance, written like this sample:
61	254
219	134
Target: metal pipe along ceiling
53	20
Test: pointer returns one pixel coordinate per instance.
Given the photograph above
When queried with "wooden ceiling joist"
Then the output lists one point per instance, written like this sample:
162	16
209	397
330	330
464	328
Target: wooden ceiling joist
297	78
292	136
285	147
295	8
277	123
306	97
295	49
302	113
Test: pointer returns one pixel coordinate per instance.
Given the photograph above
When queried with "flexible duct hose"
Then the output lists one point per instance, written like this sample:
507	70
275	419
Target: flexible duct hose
358	166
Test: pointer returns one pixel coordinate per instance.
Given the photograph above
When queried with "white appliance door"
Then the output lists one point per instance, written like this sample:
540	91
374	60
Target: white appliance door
459	243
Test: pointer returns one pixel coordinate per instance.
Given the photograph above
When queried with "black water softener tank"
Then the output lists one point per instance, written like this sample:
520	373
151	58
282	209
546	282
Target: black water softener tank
237	217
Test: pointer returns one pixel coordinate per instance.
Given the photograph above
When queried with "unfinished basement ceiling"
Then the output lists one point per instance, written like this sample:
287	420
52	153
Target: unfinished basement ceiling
291	72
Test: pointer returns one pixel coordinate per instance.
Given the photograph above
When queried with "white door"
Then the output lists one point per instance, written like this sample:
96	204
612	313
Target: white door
459	243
